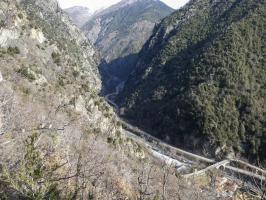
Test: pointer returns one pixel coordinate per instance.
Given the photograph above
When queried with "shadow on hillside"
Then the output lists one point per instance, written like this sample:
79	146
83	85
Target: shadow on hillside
114	72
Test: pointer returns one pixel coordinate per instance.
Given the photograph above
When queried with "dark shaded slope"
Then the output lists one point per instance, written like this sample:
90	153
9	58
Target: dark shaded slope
201	77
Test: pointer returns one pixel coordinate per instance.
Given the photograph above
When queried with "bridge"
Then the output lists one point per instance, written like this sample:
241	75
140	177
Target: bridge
216	165
157	143
203	171
225	165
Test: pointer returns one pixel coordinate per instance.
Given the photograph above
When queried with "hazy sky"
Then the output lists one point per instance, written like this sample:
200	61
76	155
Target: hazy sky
94	5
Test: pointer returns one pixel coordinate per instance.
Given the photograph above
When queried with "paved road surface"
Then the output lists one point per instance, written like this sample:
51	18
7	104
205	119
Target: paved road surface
131	130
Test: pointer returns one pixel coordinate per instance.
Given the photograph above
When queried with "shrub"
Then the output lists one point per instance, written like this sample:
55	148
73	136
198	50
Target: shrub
85	87
13	50
24	71
20	16
56	58
26	91
2	52
109	140
61	81
75	74
2	23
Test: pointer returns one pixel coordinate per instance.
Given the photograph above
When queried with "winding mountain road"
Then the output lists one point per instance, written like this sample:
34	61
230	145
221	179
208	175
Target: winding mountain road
146	135
155	146
108	96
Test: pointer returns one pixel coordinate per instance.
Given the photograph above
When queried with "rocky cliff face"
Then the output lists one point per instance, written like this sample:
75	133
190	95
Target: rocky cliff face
55	131
80	15
120	31
48	75
201	77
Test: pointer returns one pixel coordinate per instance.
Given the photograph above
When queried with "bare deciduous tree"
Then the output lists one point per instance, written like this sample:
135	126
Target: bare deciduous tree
144	181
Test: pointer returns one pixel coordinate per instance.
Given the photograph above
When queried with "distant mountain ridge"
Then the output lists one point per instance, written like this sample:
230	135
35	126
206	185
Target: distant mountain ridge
119	20
121	30
79	14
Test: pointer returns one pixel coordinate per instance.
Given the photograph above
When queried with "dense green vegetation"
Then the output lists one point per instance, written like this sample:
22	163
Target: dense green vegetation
56	58
13	50
201	79
10	51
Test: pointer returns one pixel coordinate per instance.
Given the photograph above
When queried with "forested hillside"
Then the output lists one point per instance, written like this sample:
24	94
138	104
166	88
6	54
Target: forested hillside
201	79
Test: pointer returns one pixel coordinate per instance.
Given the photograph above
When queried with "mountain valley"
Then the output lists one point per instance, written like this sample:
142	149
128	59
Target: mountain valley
200	79
136	101
58	138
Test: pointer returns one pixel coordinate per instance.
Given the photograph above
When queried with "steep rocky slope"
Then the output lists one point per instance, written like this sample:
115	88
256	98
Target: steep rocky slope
58	138
200	79
80	15
120	31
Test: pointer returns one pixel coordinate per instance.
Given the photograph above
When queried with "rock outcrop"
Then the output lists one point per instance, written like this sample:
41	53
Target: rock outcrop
53	123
